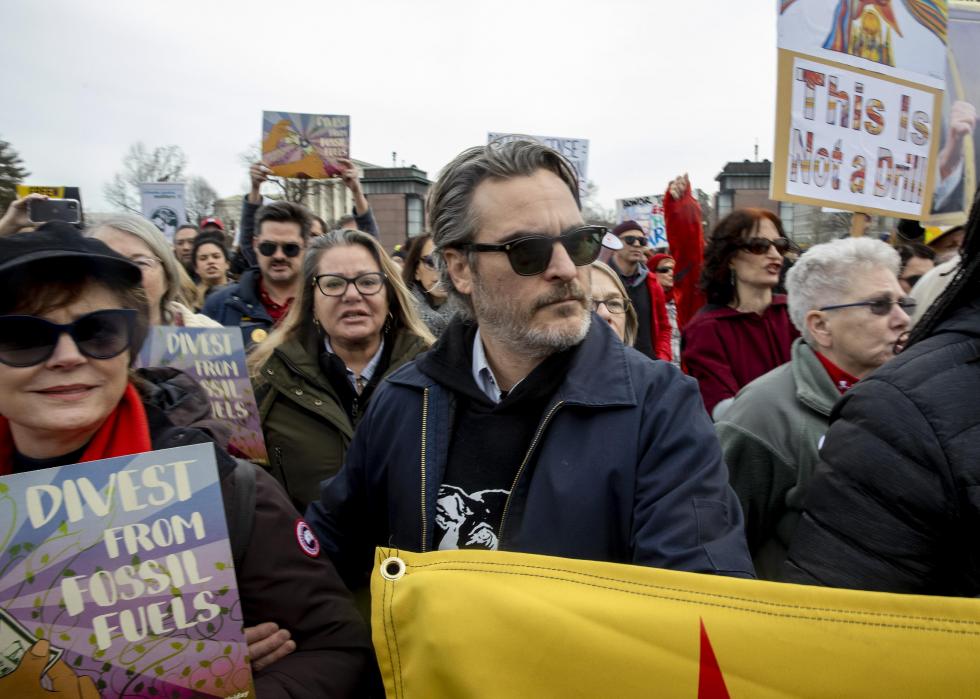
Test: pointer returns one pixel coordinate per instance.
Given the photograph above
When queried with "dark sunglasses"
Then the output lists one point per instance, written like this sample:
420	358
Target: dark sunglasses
760	246
913	280
28	340
429	261
665	270
880	307
268	248
532	254
634	240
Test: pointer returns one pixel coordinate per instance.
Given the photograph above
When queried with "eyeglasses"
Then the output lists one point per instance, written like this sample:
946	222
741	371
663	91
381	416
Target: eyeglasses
760	246
613	305
531	255
428	261
268	248
912	281
145	262
665	270
28	340
880	307
367	284
634	240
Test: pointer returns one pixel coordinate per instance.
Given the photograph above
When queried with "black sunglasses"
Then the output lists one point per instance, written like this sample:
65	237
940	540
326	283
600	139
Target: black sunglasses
532	254
664	270
429	261
880	307
28	340
634	240
268	248
760	246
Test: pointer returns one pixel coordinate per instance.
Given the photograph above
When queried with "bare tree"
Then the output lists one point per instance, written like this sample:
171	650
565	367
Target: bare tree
140	165
592	211
287	188
199	198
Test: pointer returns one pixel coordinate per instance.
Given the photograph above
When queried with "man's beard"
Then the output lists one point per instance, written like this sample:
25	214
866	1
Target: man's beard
509	322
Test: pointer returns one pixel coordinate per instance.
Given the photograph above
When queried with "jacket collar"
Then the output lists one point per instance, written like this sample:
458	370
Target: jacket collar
719	311
599	375
814	387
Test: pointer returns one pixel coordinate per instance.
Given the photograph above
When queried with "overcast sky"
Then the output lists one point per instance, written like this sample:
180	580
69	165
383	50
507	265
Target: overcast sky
657	87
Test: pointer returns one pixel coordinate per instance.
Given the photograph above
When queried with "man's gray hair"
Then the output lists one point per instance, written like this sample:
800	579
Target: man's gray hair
824	274
451	218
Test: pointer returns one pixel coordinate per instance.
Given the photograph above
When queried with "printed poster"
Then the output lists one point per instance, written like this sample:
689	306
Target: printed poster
123	566
648	211
575	150
859	100
305	146
215	358
163	205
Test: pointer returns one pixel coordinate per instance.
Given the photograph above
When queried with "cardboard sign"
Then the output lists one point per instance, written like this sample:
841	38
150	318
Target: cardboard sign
124	566
648	211
215	358
305	145
163	205
575	150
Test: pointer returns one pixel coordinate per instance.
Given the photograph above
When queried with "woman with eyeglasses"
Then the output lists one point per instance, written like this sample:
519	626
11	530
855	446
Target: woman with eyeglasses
167	285
421	276
610	302
353	322
744	330
73	314
845	299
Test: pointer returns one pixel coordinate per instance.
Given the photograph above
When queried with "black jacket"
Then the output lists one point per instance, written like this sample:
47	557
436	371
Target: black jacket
239	305
895	502
277	581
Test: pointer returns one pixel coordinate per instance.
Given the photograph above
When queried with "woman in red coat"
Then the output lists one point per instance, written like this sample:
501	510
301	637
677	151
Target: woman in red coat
744	330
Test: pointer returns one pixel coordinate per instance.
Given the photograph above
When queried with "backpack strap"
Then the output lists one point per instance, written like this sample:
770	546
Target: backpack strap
241	519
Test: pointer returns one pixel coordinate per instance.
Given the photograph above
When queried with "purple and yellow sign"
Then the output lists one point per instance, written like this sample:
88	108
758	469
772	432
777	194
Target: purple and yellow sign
122	570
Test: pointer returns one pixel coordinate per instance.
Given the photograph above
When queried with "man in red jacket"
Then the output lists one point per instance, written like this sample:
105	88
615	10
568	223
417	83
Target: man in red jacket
653	335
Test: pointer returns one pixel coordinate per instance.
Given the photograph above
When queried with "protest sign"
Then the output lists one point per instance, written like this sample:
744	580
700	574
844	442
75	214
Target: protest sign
124	566
575	150
574	628
858	105
648	212
215	358
305	145
959	148
163	205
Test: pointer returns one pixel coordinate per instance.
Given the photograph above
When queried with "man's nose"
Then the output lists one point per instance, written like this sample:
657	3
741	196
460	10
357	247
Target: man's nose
561	265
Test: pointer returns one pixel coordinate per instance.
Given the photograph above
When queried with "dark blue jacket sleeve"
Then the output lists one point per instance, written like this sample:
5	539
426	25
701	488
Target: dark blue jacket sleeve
366	223
248	232
685	515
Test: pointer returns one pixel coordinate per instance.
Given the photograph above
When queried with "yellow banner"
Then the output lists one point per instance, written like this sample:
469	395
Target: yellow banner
54	192
495	624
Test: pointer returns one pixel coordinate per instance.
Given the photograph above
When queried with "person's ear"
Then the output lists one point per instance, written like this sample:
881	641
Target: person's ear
458	266
818	323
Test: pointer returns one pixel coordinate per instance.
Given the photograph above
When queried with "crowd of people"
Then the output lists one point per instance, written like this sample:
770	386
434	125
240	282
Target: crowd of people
519	378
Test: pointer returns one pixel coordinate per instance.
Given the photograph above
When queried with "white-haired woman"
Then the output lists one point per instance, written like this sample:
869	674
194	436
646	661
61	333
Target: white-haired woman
164	279
352	323
846	301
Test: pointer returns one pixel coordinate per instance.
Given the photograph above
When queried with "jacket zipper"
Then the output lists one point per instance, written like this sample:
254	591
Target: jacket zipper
425	424
527	457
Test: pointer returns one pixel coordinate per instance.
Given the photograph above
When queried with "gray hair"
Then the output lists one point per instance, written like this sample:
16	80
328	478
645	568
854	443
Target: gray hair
451	219
824	274
139	227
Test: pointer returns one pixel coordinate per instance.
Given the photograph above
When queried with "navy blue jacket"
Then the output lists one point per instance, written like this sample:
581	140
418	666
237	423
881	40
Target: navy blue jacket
238	305
625	467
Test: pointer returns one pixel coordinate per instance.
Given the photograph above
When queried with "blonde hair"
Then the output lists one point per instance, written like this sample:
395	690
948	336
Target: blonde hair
401	305
632	322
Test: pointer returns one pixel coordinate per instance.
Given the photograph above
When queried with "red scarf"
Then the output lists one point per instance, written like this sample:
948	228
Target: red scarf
842	380
124	432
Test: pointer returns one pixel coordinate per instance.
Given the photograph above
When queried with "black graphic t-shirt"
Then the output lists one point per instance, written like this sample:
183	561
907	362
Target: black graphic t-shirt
489	441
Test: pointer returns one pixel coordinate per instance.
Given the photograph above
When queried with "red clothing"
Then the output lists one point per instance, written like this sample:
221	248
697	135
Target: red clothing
659	320
124	432
842	380
276	311
725	349
685	235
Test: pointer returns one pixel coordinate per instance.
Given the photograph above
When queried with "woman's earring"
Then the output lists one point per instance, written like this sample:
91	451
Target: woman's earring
388	321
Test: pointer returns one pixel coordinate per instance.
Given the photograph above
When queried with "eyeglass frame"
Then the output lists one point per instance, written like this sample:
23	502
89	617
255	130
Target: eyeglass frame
906	303
605	302
348	281
505	248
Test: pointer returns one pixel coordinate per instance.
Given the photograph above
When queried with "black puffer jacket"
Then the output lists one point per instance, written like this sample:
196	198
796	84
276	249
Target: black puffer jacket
895	502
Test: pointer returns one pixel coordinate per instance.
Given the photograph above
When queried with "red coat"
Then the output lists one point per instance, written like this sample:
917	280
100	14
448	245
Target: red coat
725	349
685	235
659	320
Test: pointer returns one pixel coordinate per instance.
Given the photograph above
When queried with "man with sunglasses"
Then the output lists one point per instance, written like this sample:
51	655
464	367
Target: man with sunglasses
263	294
645	292
529	426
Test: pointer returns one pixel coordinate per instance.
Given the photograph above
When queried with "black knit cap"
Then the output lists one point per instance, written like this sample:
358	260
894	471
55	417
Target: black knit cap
60	240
